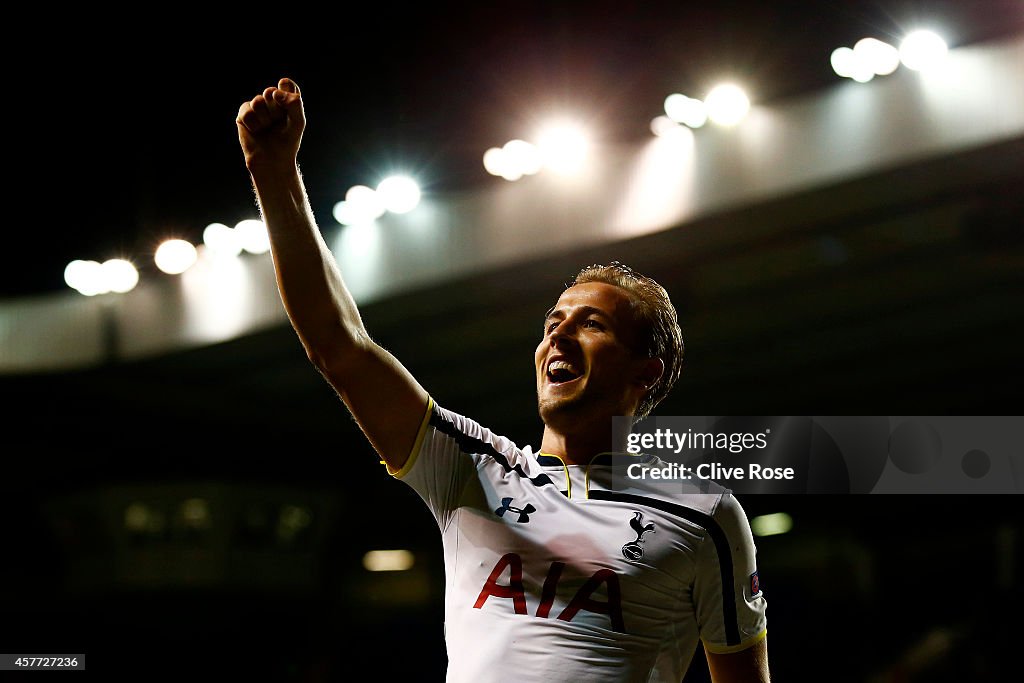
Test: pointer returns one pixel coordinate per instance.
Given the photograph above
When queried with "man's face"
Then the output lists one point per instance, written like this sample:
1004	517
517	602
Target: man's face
585	364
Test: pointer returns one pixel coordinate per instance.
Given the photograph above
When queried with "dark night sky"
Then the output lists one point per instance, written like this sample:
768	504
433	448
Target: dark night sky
123	131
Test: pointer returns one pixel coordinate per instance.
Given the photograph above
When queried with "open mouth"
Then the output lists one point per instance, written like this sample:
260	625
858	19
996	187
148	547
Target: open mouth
562	372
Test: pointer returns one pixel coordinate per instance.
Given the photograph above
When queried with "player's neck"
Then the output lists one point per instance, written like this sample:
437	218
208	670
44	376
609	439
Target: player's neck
577	447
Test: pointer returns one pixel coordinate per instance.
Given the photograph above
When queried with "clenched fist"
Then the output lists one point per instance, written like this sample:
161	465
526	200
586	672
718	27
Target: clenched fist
270	127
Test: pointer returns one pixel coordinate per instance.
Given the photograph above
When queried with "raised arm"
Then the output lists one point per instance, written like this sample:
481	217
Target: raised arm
385	399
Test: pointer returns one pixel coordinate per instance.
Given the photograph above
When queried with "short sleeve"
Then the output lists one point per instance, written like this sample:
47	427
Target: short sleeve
445	456
727	596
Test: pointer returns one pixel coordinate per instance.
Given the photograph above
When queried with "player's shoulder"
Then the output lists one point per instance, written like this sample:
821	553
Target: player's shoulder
729	513
475	439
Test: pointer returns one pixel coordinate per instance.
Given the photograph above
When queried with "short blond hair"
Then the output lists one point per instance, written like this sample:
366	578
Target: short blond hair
659	335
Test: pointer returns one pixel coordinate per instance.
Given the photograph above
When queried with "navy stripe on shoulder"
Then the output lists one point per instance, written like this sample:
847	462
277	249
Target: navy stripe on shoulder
721	541
471	445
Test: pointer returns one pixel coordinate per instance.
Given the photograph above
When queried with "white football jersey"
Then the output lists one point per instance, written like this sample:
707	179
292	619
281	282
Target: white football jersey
553	574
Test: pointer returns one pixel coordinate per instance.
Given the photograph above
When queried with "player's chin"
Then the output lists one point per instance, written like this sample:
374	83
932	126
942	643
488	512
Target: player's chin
550	412
557	402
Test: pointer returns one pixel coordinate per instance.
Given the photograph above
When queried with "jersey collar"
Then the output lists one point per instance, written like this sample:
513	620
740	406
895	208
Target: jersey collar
549	460
600	460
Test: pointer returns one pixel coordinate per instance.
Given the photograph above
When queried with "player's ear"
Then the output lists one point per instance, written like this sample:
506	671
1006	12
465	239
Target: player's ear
650	372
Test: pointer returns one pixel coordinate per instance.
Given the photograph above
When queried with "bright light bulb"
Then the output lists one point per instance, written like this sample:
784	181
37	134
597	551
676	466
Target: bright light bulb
343	213
843	61
365	203
880	57
494	161
522	156
175	256
727	104
686	110
564	147
222	240
399	194
253	236
922	50
86	277
119	275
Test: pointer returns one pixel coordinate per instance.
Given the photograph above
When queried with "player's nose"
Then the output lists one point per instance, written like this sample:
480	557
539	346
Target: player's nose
563	335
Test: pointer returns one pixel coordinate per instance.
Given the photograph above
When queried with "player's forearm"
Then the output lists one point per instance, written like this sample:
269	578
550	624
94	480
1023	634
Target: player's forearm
746	666
318	303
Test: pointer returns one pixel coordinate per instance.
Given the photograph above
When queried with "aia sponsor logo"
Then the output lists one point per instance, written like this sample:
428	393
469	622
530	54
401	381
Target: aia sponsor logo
587	598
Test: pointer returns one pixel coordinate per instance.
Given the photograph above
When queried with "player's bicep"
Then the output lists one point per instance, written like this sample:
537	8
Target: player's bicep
383	396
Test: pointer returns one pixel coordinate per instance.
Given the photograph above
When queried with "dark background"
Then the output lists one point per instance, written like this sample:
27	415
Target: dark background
893	294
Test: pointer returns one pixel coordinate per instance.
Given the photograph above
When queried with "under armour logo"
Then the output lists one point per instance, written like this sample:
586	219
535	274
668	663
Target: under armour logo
633	550
506	506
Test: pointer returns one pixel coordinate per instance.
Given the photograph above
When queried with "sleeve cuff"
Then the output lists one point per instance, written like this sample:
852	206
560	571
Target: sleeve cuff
726	649
414	453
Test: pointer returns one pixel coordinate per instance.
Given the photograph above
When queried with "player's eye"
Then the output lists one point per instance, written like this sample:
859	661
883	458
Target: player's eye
594	324
550	327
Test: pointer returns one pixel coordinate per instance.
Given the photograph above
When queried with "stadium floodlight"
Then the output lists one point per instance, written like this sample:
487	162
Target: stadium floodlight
843	62
399	193
882	58
344	214
221	241
522	156
494	160
365	203
252	234
85	277
119	275
564	146
175	256
922	50
686	110
727	104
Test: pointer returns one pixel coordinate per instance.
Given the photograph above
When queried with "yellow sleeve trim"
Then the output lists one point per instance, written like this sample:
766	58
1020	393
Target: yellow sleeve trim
726	649
411	460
